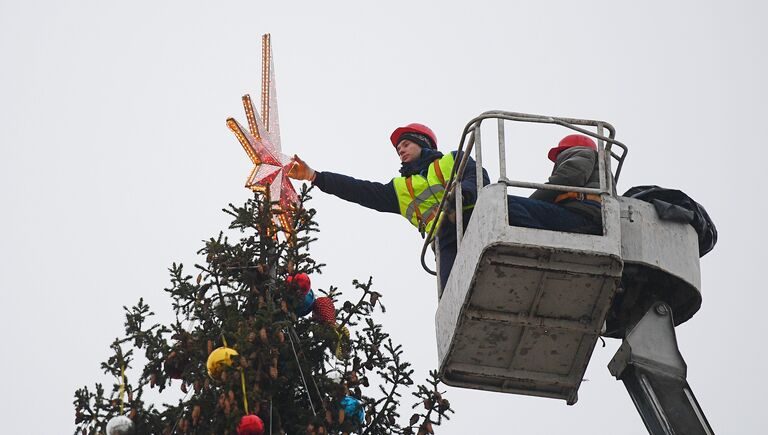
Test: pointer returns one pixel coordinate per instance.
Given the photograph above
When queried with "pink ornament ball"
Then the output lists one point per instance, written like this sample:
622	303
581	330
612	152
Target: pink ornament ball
250	425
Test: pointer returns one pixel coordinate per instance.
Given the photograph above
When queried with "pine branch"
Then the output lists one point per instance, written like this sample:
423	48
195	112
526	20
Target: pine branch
240	293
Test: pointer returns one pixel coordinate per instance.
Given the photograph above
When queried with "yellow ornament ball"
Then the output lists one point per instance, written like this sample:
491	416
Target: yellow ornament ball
218	359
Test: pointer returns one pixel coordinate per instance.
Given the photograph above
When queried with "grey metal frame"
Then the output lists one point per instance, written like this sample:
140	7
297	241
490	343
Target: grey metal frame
471	136
490	327
510	287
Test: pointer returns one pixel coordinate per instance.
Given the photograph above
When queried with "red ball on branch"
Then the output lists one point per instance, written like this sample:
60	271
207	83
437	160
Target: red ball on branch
323	311
302	281
250	425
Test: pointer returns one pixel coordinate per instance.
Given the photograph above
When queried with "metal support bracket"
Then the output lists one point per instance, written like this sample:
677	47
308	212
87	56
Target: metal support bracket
654	373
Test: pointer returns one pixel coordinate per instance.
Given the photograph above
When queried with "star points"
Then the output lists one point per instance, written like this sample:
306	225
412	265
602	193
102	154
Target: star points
261	141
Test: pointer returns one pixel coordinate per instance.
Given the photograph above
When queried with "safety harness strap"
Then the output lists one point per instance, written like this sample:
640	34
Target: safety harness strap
431	214
409	185
438	171
578	195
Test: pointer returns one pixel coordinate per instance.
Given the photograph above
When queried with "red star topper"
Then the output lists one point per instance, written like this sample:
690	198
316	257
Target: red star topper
262	144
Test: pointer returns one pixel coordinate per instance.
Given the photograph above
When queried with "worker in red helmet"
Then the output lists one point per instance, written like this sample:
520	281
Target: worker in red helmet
416	194
576	164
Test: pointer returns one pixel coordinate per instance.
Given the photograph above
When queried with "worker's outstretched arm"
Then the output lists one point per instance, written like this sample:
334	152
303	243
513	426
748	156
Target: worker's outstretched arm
378	196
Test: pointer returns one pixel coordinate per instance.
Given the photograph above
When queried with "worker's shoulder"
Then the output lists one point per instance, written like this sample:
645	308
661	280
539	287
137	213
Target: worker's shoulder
456	154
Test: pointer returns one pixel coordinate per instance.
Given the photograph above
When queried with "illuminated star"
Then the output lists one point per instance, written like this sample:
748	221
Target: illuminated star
261	142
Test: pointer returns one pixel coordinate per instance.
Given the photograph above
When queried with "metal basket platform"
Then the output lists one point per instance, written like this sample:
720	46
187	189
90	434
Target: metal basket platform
523	308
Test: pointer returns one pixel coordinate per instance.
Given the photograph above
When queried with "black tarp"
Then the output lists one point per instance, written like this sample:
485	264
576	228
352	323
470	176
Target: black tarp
675	205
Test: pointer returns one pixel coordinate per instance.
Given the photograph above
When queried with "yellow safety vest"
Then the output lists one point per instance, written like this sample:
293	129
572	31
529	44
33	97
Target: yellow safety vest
420	197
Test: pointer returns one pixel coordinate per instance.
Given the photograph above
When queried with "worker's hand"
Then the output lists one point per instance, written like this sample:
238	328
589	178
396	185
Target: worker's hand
449	208
301	170
451	215
450	200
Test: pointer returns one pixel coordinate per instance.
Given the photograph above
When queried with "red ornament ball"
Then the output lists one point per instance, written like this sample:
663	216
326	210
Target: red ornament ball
302	281
250	425
323	311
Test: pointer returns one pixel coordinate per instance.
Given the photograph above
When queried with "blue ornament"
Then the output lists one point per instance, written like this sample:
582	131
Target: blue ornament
353	408
306	306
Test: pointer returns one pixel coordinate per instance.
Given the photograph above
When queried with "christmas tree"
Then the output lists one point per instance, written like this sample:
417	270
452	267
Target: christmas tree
256	349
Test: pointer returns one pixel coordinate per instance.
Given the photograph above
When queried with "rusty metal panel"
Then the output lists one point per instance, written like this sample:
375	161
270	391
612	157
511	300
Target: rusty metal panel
523	308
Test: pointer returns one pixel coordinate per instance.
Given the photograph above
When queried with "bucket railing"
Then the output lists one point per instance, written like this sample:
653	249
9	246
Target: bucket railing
471	140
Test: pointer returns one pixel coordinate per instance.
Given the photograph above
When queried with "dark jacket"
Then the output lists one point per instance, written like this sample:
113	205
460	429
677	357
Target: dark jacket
577	166
382	197
672	204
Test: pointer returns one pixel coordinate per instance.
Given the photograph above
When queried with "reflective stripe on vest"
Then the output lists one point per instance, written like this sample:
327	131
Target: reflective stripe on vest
419	197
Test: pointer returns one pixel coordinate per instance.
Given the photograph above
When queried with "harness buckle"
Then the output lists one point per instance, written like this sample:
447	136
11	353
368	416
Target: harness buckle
578	196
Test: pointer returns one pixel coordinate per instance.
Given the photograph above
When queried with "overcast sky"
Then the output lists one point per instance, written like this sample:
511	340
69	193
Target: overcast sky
116	161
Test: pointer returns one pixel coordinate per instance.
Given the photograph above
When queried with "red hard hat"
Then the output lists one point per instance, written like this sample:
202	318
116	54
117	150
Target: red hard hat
413	128
570	141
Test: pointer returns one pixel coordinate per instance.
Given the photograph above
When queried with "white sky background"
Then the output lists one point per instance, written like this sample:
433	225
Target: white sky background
116	162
